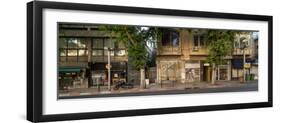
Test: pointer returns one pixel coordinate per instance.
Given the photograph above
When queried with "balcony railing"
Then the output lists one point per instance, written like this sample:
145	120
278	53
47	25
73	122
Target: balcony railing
169	50
198	51
238	51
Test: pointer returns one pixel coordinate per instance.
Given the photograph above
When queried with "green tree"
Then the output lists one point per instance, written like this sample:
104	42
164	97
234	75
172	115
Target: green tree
220	45
136	40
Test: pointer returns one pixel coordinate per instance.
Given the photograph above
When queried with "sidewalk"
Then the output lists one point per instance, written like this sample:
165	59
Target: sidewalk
167	86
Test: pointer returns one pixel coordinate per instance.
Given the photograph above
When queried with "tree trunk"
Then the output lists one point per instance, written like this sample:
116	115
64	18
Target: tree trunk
214	74
142	78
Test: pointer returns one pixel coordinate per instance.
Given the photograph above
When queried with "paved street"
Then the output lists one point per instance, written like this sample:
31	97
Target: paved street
165	88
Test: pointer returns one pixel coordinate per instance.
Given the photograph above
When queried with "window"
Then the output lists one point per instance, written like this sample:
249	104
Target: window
198	40
111	52
120	46
97	52
82	44
241	41
83	52
62	43
72	47
72	43
108	43
99	45
120	52
170	38
72	53
236	42
62	52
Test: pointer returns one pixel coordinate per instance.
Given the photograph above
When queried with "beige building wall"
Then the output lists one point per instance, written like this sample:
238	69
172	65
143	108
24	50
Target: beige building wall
189	57
181	57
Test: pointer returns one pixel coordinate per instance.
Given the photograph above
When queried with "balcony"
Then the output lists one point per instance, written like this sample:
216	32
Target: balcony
198	51
169	50
238	51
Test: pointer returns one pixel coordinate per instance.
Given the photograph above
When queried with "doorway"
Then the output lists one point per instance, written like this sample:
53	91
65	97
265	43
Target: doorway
207	72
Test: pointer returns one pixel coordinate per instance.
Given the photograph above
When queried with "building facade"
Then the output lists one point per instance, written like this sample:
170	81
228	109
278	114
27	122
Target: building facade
182	55
83	56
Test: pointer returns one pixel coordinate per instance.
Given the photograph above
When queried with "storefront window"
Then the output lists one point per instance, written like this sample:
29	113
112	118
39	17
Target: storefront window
192	71
222	72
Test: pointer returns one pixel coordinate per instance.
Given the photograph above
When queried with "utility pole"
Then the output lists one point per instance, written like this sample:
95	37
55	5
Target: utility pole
109	70
244	46
108	66
244	62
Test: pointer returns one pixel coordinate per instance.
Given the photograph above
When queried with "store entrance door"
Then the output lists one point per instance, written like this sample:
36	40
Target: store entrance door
207	73
221	72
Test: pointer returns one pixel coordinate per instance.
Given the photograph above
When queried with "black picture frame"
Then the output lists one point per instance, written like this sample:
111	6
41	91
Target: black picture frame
34	60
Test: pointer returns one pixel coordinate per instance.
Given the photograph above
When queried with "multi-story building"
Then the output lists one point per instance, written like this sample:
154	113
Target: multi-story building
182	55
83	56
250	50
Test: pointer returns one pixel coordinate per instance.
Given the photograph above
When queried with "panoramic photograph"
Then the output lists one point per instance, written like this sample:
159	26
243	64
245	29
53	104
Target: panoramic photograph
100	60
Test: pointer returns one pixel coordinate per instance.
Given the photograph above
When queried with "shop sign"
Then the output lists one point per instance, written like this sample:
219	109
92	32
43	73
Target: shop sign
206	64
192	65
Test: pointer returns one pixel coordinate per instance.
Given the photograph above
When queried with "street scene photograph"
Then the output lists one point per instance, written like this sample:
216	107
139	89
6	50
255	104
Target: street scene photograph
99	60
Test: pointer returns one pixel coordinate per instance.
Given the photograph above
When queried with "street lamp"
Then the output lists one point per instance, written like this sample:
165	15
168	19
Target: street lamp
108	66
244	46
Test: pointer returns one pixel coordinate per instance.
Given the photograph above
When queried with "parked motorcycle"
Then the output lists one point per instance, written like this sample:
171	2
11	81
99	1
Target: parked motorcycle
124	84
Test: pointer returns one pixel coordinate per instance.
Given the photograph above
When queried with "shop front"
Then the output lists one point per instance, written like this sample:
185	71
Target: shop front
251	69
168	70
222	72
192	71
70	77
118	72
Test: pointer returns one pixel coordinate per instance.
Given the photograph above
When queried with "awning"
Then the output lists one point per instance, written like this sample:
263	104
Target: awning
238	62
69	69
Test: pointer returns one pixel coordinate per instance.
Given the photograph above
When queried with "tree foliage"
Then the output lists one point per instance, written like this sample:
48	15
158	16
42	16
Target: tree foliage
136	40
220	45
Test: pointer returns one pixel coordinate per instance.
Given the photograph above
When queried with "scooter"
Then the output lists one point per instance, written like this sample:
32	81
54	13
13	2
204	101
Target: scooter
123	84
